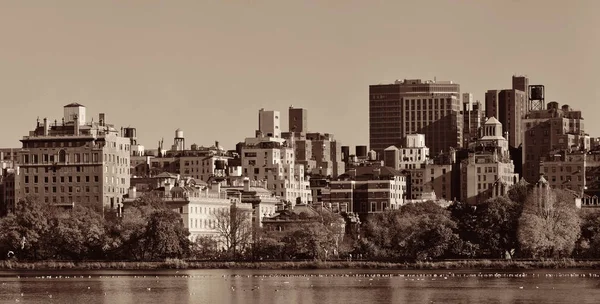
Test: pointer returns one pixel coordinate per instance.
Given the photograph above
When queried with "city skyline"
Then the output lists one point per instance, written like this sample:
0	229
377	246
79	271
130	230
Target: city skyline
183	67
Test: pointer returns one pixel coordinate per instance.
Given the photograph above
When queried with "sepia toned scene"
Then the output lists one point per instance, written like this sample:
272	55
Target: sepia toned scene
299	152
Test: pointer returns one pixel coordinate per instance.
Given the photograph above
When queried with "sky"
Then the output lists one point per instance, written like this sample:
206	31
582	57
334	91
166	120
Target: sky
207	66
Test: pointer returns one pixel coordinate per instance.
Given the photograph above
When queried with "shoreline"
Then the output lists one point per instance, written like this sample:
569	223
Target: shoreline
300	265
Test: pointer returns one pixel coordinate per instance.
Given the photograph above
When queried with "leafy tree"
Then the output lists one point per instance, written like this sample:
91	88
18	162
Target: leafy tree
166	236
146	223
465	217
519	192
496	226
25	230
269	244
549	225
205	247
413	232
310	241
124	235
76	234
588	245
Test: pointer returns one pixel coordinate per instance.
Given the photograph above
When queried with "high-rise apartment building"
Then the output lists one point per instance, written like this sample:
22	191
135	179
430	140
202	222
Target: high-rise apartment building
509	107
320	153
488	171
432	108
272	160
268	124
553	129
298	120
75	161
424	176
521	83
473	118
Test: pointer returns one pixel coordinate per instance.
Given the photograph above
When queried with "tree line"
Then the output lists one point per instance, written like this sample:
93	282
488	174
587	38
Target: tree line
528	222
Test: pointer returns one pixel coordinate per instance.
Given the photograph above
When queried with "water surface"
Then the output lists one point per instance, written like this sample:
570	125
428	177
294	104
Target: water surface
302	286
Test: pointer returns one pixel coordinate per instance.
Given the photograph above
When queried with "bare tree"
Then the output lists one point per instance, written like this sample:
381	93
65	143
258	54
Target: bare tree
234	227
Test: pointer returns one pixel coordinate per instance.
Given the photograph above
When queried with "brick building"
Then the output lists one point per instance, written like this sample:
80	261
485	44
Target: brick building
366	190
75	161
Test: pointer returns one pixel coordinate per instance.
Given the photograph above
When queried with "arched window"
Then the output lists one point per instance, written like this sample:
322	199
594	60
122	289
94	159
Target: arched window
62	156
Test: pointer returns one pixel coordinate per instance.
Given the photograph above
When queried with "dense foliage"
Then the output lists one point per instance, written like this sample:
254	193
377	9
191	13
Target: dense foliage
146	231
526	223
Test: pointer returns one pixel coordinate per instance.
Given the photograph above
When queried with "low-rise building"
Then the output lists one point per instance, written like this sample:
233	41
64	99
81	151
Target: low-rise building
574	171
199	203
425	175
366	190
293	217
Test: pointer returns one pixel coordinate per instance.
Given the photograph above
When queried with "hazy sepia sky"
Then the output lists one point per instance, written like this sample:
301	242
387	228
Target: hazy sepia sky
209	66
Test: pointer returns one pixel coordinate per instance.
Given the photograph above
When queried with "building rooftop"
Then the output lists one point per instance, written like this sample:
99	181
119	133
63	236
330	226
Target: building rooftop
74	105
369	172
492	121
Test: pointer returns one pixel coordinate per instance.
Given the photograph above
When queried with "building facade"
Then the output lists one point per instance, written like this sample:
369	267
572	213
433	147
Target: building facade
509	107
272	159
366	190
553	129
75	161
474	117
406	107
488	171
199	203
319	153
425	178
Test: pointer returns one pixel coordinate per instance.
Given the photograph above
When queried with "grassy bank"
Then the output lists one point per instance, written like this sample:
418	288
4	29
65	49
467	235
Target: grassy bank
181	264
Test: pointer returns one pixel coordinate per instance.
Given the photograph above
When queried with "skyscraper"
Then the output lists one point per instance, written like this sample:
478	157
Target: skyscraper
432	108
509	107
521	83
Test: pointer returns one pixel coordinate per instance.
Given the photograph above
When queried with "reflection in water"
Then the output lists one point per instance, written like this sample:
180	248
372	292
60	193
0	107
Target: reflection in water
303	287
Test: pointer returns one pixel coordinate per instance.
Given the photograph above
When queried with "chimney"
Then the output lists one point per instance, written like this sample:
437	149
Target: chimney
132	192
246	184
168	187
101	119
45	126
376	173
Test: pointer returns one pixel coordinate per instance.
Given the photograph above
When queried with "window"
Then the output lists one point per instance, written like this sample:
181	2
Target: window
62	156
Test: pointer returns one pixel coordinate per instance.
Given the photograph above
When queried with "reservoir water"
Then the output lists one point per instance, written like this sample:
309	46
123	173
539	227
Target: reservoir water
346	286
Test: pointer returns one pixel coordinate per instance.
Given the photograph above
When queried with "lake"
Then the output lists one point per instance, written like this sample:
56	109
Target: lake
346	286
